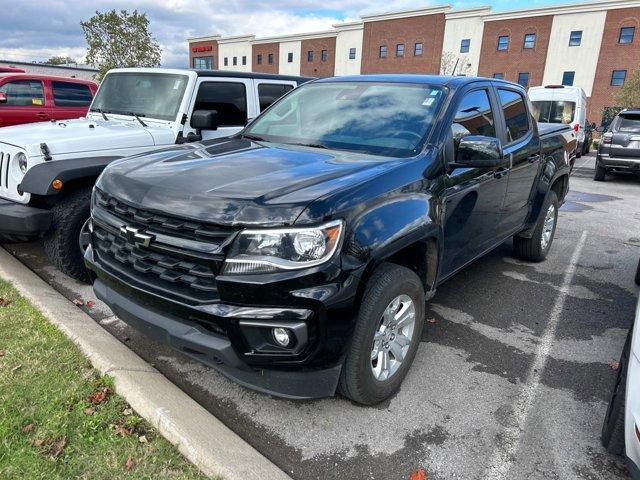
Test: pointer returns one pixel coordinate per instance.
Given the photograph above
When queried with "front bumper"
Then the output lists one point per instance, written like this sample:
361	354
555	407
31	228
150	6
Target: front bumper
20	222
216	334
607	161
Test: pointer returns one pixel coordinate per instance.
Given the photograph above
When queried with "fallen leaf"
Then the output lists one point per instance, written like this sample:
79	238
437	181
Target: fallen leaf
124	432
27	428
2	352
420	474
38	442
142	439
431	320
130	464
127	411
99	396
78	303
614	365
58	447
16	368
89	411
90	303
4	302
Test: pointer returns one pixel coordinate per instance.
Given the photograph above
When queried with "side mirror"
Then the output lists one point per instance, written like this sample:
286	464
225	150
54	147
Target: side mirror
476	151
204	120
3	97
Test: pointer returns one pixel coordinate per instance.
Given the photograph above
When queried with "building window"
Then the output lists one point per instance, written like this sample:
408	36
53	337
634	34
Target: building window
400	50
310	56
618	77
226	61
498	76
567	78
503	42
626	35
244	60
235	61
383	51
352	54
290	57
464	45
417	49
270	58
203	62
529	41
259	59
575	39
324	55
523	79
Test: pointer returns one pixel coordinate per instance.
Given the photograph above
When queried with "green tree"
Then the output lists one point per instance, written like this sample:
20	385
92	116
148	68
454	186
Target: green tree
629	94
60	60
120	39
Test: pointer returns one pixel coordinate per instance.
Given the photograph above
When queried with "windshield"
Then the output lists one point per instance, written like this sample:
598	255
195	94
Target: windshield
628	124
153	95
388	119
554	111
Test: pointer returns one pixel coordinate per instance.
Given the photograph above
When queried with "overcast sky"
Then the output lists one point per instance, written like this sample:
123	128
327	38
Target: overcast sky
37	29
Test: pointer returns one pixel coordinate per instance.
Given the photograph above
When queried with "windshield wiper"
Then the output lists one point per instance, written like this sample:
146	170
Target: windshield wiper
252	137
98	110
313	145
137	117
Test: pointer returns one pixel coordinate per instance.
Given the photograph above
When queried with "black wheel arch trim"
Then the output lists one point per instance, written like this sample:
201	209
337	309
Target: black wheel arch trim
38	179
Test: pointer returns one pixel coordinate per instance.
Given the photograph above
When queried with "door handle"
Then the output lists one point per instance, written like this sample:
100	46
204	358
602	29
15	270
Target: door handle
501	172
43	115
534	158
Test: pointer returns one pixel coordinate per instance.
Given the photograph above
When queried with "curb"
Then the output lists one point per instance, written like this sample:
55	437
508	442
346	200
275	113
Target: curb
203	439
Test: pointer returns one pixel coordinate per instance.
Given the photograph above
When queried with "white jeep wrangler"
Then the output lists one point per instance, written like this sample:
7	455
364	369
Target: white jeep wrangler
47	169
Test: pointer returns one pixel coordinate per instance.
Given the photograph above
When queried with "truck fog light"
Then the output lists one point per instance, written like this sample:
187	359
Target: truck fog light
281	336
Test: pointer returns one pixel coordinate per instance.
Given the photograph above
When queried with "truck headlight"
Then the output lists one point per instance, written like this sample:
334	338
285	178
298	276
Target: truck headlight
266	251
21	160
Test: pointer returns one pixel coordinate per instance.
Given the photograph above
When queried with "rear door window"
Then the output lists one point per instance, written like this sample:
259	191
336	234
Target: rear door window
515	114
270	92
67	94
628	124
474	116
227	98
554	111
24	93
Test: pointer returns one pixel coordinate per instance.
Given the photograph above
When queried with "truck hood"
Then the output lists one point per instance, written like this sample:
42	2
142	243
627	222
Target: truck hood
237	182
82	135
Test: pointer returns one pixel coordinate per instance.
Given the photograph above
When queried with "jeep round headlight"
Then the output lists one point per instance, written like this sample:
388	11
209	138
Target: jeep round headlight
21	159
265	251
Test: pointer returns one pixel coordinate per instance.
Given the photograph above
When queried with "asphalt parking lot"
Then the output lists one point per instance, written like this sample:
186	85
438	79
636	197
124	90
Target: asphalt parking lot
511	380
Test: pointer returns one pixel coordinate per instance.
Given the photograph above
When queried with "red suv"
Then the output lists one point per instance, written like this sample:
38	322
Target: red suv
26	98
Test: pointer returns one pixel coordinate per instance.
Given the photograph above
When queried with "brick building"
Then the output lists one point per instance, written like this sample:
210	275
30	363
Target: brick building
591	45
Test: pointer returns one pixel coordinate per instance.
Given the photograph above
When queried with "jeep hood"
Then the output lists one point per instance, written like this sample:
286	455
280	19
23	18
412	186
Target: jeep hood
83	135
237	182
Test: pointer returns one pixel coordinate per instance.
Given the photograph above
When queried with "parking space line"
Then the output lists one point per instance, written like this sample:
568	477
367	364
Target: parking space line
504	455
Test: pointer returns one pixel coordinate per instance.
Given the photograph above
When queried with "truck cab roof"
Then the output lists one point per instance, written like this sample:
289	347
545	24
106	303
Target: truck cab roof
434	80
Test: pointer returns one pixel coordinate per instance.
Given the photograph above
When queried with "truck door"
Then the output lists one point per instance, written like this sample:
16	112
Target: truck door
232	98
25	102
521	145
70	99
473	197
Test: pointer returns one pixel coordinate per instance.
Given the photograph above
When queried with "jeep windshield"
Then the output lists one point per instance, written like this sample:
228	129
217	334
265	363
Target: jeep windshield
152	95
387	119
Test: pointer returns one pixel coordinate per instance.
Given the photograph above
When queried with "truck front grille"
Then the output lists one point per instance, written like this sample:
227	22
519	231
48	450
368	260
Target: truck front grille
172	226
155	271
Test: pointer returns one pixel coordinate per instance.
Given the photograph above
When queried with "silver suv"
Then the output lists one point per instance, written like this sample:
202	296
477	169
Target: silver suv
620	145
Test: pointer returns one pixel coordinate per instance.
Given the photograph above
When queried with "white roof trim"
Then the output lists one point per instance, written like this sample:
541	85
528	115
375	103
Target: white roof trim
344	26
209	38
468	12
562	9
236	39
418	12
296	36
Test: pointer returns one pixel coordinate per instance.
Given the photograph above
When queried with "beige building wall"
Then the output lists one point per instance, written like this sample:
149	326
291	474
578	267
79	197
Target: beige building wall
460	25
287	47
349	36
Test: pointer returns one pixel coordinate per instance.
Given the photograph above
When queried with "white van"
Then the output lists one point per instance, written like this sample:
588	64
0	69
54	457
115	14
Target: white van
562	104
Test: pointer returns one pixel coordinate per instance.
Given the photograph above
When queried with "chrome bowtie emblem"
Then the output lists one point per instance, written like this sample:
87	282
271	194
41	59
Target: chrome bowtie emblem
135	237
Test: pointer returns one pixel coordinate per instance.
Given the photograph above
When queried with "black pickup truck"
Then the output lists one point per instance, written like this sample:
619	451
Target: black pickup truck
297	256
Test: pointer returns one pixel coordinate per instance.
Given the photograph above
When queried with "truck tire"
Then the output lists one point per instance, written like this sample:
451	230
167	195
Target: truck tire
61	242
536	248
637	279
613	426
600	173
369	378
